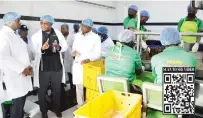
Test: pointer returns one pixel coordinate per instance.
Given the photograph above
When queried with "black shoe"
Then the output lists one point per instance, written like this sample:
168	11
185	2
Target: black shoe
44	116
59	114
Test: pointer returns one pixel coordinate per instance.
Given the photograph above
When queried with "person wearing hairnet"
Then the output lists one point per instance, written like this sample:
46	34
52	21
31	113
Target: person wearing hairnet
86	48
123	61
132	25
94	30
173	54
47	45
68	58
132	14
144	17
190	24
15	64
106	41
76	28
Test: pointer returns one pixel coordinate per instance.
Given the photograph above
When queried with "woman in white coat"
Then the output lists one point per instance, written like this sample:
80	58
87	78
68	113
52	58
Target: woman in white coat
106	41
47	46
15	63
68	58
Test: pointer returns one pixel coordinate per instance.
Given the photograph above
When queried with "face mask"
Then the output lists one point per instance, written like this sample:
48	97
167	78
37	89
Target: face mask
130	16
191	15
142	23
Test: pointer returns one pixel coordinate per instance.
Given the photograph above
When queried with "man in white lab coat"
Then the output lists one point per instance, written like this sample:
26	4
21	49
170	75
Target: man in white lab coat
15	63
68	58
47	45
106	41
86	48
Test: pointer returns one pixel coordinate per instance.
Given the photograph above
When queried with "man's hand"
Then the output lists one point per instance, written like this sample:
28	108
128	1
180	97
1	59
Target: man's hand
30	68
85	61
27	71
45	46
75	53
57	46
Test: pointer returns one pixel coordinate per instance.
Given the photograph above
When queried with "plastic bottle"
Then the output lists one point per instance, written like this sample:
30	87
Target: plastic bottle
54	43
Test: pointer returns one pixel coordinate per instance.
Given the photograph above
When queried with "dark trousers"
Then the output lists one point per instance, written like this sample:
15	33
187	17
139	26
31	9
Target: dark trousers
52	79
70	80
14	110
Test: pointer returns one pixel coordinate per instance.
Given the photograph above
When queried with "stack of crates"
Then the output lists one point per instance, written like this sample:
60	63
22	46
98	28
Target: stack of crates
90	72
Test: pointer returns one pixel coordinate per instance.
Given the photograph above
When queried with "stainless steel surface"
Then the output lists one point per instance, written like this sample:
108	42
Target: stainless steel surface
182	34
199	93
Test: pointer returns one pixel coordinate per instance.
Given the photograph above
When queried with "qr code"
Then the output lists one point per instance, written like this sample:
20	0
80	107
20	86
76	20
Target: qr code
178	90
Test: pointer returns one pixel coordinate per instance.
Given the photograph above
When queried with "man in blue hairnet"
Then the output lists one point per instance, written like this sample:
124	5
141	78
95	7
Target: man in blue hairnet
106	41
123	61
144	17
68	58
94	30
76	28
47	45
86	48
15	64
132	13
173	55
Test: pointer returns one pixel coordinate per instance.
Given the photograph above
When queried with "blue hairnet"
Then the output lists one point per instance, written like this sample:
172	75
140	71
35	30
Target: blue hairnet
94	30
102	30
10	16
76	24
47	18
88	22
145	13
126	36
65	25
133	7
170	36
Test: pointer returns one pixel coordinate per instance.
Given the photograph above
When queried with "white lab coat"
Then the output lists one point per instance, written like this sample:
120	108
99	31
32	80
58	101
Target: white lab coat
35	46
68	58
14	58
89	47
106	45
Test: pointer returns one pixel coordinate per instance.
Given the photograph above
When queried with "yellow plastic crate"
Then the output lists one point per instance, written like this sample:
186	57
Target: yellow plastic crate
112	104
90	94
90	72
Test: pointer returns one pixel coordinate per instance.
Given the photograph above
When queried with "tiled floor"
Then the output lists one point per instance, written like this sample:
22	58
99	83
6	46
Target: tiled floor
66	114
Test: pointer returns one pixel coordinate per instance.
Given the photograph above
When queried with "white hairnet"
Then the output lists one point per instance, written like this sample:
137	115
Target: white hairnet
170	36
126	36
10	16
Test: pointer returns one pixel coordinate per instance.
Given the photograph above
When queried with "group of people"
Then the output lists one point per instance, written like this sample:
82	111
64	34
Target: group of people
51	56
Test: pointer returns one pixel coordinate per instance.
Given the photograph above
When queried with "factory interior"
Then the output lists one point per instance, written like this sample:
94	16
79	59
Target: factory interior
101	59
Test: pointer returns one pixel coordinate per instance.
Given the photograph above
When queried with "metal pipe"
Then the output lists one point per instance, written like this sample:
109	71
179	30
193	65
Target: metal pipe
182	34
106	6
138	29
